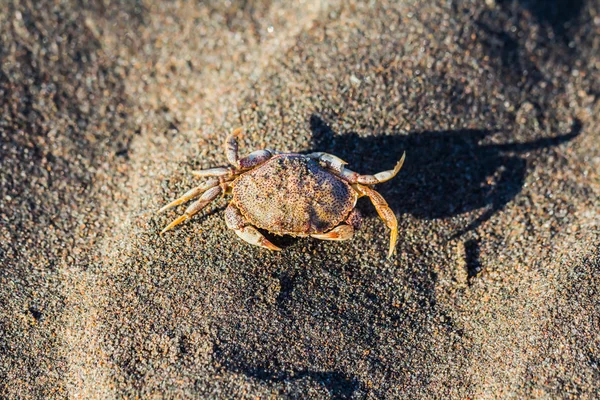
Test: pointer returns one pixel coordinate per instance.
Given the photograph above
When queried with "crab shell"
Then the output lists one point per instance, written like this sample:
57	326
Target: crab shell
291	194
288	194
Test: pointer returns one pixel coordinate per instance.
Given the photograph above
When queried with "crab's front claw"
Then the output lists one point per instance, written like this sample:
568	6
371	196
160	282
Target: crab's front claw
251	235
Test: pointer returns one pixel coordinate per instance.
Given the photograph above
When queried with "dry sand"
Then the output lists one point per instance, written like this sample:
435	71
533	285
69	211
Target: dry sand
105	106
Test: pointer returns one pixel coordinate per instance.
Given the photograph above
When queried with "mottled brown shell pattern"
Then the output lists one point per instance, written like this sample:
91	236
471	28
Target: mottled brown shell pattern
292	194
287	194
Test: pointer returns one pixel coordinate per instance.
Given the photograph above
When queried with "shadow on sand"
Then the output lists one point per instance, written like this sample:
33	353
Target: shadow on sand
446	173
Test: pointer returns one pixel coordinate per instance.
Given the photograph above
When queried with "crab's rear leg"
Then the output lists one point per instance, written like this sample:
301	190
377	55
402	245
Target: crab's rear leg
236	221
384	211
208	196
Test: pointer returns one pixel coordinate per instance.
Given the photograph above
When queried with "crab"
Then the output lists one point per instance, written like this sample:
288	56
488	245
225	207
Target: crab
288	194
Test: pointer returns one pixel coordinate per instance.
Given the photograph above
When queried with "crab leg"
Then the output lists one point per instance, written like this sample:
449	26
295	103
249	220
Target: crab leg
384	211
236	221
355	177
195	192
255	158
354	219
219	171
196	206
341	232
231	147
251	235
329	160
251	160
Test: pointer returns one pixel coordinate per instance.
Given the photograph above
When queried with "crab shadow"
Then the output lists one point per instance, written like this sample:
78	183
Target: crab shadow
558	15
446	173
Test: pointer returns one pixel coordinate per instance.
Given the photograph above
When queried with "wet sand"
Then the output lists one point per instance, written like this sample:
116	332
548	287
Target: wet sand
493	293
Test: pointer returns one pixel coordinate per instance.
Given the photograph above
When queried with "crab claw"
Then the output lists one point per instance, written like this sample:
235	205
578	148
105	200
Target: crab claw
251	235
387	175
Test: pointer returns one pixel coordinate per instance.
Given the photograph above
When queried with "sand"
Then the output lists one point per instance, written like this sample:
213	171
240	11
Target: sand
105	108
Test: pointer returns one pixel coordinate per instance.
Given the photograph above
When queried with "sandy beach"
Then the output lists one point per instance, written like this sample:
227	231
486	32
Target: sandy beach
106	107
